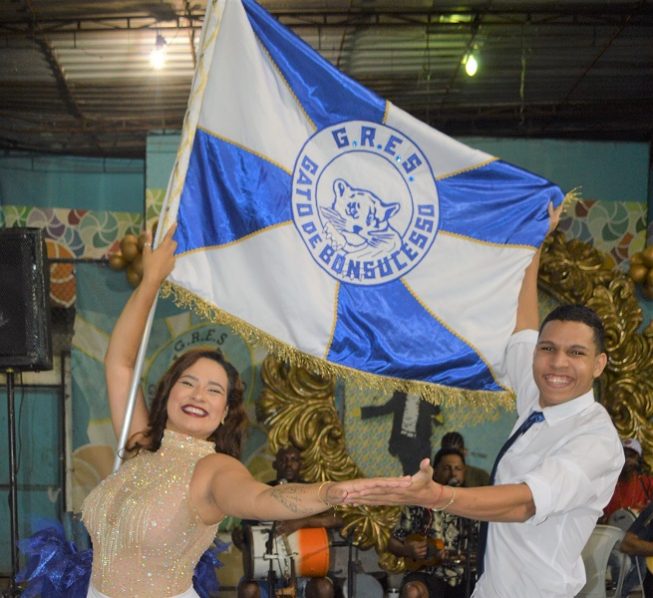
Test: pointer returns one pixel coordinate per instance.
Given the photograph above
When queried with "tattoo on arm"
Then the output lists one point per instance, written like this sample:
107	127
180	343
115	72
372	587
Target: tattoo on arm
291	498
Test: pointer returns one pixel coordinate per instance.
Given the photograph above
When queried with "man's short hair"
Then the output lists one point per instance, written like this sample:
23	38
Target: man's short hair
453	440
443	452
289	448
582	314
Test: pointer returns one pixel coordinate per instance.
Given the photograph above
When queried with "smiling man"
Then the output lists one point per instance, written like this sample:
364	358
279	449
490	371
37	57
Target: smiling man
554	474
560	464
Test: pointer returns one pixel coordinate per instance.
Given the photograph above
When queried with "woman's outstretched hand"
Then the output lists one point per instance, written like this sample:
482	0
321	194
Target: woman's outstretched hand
418	489
160	261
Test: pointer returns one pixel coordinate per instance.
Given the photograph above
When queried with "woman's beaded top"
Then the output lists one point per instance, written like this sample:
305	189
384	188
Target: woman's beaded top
146	536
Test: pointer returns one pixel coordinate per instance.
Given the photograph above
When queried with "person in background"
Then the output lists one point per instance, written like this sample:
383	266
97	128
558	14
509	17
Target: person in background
435	544
474	476
634	488
638	543
287	464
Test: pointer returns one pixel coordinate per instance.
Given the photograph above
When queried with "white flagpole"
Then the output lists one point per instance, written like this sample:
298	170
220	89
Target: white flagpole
212	19
133	389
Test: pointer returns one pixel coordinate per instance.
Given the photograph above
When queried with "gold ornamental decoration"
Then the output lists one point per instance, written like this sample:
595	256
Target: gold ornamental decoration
575	272
129	258
298	407
641	270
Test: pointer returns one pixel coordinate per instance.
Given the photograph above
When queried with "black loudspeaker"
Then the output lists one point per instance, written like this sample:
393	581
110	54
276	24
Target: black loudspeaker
25	336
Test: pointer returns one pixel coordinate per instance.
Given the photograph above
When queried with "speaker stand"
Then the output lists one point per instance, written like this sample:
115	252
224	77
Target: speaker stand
13	483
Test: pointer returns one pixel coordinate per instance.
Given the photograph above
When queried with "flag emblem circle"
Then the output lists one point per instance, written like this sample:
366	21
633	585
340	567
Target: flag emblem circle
364	201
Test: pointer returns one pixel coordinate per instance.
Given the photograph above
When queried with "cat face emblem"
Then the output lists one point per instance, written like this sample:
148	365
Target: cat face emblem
359	222
364	202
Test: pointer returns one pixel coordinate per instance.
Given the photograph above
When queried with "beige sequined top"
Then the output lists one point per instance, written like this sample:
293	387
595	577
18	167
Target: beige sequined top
146	537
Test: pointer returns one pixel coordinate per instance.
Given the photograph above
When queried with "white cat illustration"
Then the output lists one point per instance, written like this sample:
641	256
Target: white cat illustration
358	222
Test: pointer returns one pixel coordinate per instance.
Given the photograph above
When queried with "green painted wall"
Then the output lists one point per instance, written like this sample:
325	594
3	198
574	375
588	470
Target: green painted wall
72	182
37	415
615	171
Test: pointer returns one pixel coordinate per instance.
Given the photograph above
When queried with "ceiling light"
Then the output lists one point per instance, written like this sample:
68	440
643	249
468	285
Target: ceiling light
158	54
455	19
471	65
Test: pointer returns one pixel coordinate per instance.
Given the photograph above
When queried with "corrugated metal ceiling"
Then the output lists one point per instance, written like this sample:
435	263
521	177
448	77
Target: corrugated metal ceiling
75	76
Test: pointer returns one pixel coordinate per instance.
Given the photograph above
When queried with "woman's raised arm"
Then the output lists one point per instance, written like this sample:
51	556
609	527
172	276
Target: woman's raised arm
120	357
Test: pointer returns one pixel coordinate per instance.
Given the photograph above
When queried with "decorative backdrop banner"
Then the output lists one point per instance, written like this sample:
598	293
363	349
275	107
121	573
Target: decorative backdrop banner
337	228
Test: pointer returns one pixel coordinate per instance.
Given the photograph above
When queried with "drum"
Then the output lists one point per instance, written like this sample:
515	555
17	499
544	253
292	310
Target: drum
308	548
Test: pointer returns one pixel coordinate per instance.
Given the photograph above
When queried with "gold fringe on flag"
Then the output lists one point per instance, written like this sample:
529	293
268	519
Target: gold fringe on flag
570	198
485	403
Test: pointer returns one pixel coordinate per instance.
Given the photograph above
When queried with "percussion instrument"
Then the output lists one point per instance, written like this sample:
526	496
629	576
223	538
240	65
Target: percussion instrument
308	548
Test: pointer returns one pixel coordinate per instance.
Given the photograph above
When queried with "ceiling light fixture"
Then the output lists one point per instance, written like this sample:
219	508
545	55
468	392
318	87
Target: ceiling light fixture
471	64
158	54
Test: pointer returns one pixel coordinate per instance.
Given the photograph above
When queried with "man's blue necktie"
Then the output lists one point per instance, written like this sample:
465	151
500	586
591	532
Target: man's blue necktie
534	418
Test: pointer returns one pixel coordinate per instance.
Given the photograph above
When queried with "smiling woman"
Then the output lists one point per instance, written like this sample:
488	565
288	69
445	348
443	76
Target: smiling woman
194	397
199	398
152	520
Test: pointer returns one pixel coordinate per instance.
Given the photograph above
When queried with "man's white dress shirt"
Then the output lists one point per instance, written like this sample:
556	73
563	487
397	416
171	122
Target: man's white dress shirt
570	462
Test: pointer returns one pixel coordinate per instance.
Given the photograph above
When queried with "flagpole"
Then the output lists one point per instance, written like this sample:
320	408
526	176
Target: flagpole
133	389
212	19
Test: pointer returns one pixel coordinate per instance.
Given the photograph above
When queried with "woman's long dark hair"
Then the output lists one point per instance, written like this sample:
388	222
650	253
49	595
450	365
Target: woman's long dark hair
228	436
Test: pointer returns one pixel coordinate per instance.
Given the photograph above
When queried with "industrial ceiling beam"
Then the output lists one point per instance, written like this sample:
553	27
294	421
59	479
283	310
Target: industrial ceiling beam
64	91
560	14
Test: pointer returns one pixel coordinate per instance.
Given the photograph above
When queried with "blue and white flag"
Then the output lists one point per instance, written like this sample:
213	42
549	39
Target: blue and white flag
339	228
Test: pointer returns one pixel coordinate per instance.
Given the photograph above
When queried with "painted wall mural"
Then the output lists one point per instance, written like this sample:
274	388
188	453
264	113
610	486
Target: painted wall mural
72	235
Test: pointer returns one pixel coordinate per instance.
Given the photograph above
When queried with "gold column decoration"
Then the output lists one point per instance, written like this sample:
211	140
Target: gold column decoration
574	272
298	406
